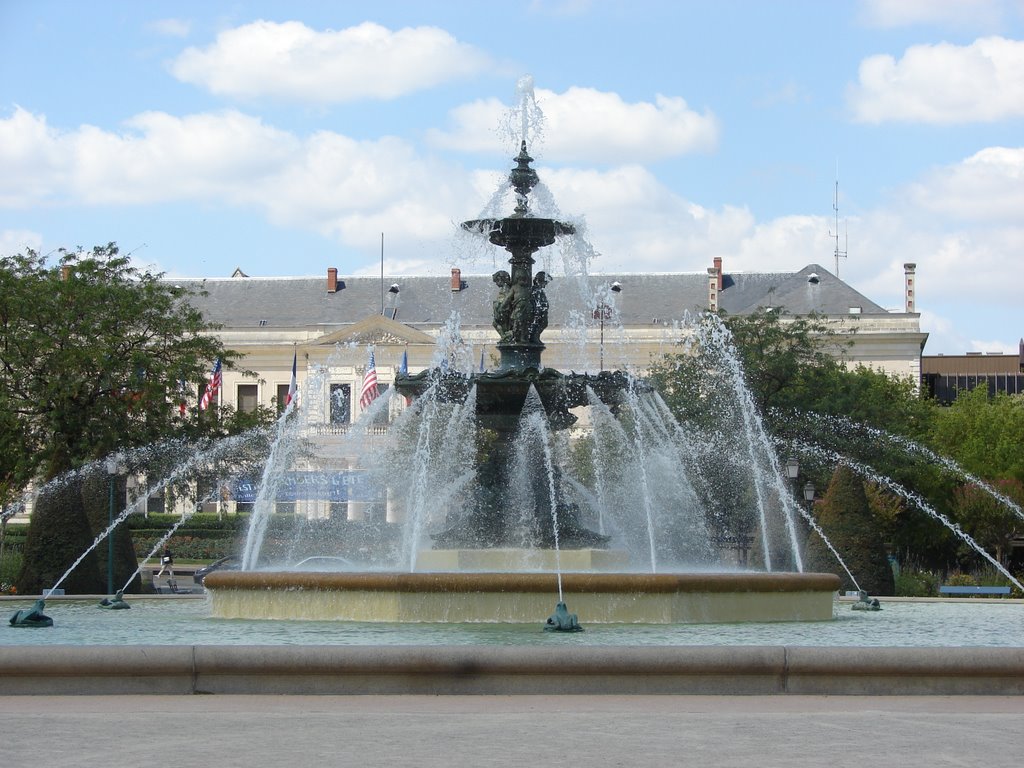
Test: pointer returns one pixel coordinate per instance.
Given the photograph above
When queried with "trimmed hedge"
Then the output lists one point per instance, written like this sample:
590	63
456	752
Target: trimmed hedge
14	536
845	518
199	521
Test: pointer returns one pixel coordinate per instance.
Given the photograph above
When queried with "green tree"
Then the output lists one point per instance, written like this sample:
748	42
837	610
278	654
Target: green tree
987	520
845	518
783	356
784	359
867	397
92	351
984	434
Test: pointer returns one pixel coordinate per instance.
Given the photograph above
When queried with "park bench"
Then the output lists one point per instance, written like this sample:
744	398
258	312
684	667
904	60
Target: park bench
946	589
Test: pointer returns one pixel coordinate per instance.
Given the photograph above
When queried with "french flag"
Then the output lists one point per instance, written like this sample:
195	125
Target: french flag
293	386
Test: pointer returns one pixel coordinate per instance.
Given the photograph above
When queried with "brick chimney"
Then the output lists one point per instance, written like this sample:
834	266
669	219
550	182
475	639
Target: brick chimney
713	283
456	279
908	286
65	272
332	279
718	270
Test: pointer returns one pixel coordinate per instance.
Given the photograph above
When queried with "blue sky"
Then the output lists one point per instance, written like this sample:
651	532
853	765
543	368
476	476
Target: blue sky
284	138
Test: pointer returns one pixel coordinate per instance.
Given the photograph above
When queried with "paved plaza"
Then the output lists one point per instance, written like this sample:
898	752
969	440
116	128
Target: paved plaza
450	731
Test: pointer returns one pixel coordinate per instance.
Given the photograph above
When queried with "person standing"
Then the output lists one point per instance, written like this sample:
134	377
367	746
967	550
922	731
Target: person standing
167	564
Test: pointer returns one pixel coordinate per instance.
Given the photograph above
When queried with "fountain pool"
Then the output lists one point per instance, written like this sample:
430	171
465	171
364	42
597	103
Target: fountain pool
903	623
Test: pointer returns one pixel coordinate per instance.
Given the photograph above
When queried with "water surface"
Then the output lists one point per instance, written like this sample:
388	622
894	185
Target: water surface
188	622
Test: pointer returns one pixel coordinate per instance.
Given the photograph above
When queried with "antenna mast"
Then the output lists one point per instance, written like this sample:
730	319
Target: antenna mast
835	210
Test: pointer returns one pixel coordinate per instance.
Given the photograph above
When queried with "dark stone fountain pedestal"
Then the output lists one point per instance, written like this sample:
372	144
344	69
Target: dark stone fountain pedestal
493	519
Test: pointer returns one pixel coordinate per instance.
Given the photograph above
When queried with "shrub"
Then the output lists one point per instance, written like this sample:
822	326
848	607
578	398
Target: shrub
187	547
988	576
961	580
913	582
10	567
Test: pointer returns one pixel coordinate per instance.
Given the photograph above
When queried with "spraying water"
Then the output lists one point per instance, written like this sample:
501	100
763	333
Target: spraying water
533	434
908	495
844	426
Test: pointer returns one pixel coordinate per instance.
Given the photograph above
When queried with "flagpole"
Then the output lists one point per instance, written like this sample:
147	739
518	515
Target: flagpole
382	273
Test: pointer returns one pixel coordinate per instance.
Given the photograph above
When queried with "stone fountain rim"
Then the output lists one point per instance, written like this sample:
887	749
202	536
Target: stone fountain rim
450	582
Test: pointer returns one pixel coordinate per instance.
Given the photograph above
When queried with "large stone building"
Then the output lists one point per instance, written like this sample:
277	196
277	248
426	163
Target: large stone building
330	323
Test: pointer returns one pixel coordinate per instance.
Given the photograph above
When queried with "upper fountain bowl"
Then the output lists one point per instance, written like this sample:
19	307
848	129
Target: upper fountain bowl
525	232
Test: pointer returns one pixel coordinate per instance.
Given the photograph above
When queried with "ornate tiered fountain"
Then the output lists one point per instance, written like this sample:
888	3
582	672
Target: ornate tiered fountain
520	317
504	555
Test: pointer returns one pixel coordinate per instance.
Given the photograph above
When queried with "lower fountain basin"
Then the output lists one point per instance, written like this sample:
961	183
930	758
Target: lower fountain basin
523	598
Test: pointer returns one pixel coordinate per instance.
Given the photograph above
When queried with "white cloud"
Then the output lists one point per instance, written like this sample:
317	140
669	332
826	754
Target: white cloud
14	241
345	189
986	187
32	160
171	27
622	132
961	224
948	337
889	14
1001	347
293	62
160	158
942	83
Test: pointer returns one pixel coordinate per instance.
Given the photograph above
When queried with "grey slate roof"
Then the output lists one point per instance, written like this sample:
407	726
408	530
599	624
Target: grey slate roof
426	301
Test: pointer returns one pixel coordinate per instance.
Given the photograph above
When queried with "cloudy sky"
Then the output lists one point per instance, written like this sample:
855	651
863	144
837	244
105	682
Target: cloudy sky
284	138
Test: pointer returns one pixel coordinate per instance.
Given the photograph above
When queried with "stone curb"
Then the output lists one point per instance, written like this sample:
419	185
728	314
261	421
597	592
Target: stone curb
503	670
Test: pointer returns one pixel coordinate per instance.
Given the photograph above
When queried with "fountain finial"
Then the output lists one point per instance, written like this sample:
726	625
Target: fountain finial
523	179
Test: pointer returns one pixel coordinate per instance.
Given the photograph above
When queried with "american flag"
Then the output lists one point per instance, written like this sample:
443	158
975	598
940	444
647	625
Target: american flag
369	391
212	387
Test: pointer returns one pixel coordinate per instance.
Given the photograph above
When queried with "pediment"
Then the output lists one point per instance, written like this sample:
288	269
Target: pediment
377	329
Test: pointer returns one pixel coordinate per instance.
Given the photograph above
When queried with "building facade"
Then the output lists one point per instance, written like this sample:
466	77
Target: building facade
330	323
944	377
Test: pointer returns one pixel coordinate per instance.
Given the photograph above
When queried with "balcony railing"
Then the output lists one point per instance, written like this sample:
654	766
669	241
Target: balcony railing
329	430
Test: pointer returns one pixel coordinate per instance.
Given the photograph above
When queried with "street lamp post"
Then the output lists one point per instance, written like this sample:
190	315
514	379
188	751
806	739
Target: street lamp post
793	473
809	493
792	468
603	312
115	467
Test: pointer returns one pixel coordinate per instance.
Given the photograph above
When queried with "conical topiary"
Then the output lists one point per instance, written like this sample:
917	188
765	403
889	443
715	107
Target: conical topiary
845	518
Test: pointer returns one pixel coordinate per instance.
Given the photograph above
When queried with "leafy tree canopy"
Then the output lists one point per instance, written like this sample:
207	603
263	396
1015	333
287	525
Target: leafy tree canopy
983	434
92	355
792	364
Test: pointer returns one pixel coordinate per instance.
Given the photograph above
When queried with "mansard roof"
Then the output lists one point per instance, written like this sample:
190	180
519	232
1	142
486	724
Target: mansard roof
428	301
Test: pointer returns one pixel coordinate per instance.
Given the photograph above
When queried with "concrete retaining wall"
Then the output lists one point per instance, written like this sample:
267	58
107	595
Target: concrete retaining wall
347	670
